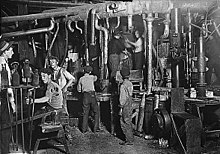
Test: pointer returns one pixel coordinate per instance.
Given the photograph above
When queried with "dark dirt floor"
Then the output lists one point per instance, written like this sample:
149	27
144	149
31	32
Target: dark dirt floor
105	143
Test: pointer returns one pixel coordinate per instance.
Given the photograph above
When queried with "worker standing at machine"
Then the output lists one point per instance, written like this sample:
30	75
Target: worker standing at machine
125	99
86	86
6	94
138	51
116	47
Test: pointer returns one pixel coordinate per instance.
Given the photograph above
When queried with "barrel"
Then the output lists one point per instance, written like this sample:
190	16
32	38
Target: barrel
148	112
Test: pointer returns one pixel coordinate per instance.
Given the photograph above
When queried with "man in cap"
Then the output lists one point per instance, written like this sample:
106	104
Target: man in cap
6	93
125	99
86	86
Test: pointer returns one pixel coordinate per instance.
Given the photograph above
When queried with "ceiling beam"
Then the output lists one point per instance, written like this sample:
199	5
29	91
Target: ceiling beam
121	9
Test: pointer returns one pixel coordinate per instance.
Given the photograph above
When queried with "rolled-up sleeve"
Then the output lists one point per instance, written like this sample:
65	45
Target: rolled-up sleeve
122	97
68	75
79	86
49	92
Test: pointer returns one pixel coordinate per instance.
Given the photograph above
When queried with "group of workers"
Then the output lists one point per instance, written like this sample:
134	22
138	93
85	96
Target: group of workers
57	80
124	50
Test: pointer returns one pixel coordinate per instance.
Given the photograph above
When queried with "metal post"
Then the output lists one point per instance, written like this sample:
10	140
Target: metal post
201	69
176	23
22	121
149	53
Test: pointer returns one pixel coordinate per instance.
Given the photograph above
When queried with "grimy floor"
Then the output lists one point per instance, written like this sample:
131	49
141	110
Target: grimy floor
105	143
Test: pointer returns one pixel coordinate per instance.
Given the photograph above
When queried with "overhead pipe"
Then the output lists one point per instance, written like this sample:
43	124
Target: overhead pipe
80	30
28	32
150	20
69	22
54	38
50	4
105	47
158	6
51	45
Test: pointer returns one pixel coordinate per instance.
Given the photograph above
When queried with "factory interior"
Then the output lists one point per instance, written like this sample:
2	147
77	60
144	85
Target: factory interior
176	91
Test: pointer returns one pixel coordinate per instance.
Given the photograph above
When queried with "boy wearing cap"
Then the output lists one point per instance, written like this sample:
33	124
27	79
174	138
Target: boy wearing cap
126	90
6	52
86	86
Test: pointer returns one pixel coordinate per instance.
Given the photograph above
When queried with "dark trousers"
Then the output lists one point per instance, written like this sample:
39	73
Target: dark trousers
138	60
5	134
114	61
126	123
89	101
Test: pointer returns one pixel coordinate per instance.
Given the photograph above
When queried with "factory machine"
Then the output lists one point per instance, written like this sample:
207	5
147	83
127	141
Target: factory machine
180	76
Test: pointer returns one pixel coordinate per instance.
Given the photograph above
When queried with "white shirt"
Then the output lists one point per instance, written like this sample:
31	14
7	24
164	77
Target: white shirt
138	45
10	91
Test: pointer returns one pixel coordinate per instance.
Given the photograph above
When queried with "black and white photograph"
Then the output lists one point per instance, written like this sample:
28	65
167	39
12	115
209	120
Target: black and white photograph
110	77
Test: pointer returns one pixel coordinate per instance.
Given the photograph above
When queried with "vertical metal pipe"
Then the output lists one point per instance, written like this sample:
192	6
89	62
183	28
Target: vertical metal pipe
201	68
177	75
189	45
149	53
145	35
16	118
130	26
201	60
86	41
93	16
176	20
176	23
22	121
101	57
105	50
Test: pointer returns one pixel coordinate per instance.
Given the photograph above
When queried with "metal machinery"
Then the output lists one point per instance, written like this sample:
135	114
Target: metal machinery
176	35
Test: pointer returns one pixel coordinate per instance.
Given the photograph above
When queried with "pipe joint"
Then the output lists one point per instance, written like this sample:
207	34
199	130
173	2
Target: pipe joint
32	31
80	29
69	22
